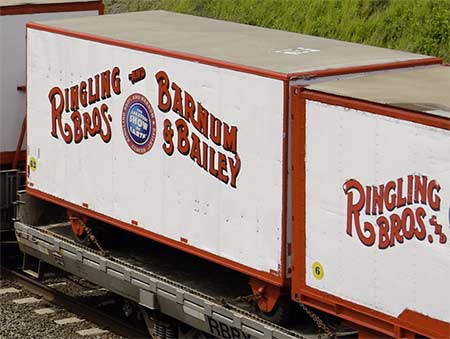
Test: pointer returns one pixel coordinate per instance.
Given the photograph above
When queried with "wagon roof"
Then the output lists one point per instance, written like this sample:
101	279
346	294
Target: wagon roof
420	89
6	3
262	48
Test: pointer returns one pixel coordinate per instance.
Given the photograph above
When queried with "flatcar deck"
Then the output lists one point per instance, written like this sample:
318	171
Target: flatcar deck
194	291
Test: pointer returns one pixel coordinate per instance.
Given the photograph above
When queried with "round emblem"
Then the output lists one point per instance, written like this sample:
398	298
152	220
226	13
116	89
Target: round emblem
138	123
317	269
33	164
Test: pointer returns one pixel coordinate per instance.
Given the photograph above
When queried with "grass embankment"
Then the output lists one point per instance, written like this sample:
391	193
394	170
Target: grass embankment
420	26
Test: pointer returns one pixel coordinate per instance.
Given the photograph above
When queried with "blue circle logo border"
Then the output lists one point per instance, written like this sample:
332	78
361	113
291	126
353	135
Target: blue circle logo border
142	101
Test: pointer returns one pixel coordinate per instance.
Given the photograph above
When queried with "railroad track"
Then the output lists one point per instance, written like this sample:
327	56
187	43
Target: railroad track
32	290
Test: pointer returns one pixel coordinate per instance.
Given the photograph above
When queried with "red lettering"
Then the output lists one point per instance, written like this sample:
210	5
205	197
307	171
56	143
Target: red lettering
94	96
106	84
195	149
410	190
221	171
433	198
353	213
96	122
115	76
212	170
408	218
86	125
168	137
56	109
74	105
420	232
353	209
396	227
368	199
230	138
235	167
86	93
183	141
66	100
205	156
83	94
401	200
420	189
189	106
383	232
177	100
164	98
215	131
201	123
378	203
105	135
389	199
78	135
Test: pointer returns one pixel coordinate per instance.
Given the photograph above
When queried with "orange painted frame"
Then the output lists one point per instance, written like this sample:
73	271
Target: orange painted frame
409	323
52	8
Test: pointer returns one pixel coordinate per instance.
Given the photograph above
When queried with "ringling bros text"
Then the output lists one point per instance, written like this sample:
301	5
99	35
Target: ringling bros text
391	213
71	100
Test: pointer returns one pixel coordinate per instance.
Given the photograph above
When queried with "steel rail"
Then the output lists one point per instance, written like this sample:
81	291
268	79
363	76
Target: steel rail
69	303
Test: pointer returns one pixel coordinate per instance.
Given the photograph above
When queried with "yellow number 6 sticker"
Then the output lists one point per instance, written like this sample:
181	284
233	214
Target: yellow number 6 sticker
317	270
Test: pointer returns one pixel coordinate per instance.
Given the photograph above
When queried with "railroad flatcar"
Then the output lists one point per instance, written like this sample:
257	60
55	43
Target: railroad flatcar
194	132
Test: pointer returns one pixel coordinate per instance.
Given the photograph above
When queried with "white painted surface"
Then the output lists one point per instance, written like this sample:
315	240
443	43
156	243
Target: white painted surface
169	195
344	144
12	72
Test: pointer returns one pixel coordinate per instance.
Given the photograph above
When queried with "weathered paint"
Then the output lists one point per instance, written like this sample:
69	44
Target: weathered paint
391	272
12	72
135	180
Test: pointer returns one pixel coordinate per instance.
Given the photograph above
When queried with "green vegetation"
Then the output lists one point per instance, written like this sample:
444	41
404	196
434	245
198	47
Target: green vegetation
420	26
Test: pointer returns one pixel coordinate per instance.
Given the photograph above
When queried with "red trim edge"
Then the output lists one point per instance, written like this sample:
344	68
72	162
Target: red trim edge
161	51
7	158
367	68
234	66
265	276
78	6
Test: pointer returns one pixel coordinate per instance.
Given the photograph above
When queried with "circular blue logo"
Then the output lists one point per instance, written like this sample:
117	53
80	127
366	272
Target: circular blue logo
138	123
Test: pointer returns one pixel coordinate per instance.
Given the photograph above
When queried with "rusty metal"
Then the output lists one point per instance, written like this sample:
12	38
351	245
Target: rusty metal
319	322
